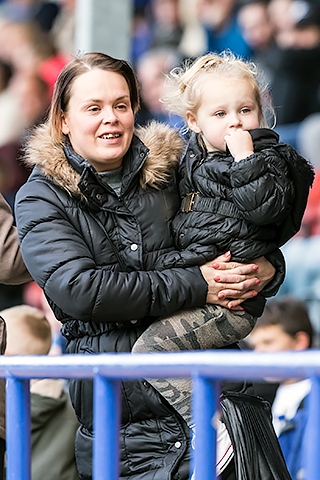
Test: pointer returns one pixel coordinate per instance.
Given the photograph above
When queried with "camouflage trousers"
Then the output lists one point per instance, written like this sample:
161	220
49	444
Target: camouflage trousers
204	328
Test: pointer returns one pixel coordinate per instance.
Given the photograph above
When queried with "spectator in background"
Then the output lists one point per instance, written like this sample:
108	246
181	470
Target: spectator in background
167	28
296	77
53	421
284	326
285	37
296	81
63	28
257	30
151	70
9	106
158	24
219	21
33	295
23	47
12	172
32	95
141	32
30	50
280	17
12	272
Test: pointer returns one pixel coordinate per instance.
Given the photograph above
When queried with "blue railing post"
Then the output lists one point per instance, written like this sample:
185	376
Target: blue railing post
18	429
207	369
107	406
205	410
313	432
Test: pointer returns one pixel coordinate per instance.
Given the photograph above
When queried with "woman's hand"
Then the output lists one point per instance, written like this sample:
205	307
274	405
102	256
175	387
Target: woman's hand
230	283
265	272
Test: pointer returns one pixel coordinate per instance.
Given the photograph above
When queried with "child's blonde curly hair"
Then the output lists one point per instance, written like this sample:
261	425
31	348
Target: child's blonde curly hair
183	87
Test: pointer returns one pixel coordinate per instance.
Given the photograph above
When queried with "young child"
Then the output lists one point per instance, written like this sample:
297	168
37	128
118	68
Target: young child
285	325
242	191
53	421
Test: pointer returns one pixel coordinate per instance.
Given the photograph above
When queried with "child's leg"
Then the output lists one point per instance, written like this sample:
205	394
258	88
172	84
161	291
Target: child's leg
198	329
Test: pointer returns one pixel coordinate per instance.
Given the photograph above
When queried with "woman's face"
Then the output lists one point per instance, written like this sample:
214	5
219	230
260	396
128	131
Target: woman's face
99	120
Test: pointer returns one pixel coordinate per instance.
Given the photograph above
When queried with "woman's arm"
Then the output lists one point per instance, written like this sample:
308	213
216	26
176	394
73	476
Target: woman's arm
72	260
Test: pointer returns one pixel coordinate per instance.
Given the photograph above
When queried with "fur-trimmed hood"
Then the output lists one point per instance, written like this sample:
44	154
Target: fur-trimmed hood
164	144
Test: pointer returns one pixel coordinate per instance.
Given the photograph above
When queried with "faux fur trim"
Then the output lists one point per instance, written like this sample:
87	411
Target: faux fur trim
165	149
50	157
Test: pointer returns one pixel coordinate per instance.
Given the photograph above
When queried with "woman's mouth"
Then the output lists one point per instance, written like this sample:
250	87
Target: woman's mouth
107	136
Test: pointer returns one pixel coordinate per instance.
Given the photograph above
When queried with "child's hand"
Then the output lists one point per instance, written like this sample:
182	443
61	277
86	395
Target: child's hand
239	143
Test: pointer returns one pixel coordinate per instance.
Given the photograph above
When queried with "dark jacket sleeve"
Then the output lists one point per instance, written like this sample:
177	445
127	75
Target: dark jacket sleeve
62	264
262	187
13	271
278	261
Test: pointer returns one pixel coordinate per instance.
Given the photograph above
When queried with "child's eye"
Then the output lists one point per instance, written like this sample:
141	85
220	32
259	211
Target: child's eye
245	110
220	114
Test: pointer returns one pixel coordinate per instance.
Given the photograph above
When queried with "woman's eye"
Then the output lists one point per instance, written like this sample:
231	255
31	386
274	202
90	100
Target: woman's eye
122	107
93	109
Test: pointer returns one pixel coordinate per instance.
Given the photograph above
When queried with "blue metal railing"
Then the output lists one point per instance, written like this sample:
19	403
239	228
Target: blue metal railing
207	369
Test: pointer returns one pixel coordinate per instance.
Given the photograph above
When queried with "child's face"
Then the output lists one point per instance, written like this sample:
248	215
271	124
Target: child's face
226	104
272	338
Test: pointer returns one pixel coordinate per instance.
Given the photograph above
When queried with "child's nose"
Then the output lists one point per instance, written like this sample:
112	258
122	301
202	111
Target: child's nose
235	120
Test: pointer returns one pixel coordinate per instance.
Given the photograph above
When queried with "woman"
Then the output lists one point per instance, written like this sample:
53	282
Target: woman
92	219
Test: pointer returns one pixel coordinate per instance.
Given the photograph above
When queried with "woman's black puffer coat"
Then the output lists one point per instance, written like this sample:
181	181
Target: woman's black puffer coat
93	255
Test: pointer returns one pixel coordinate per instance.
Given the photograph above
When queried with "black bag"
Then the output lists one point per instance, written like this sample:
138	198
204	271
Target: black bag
257	453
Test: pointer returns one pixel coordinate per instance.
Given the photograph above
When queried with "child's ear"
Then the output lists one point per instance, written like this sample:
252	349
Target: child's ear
302	341
192	122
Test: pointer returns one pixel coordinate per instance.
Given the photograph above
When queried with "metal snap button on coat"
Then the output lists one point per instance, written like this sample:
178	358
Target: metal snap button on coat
134	247
177	444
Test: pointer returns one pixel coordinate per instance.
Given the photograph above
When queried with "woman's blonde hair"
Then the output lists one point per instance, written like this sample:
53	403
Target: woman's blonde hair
183	87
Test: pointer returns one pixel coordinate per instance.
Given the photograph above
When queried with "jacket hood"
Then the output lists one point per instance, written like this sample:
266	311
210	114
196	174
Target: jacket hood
164	144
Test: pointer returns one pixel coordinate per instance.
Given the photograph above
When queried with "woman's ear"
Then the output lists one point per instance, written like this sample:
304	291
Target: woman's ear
192	122
64	125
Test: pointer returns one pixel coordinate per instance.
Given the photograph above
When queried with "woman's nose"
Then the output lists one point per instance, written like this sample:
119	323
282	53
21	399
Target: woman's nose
109	116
